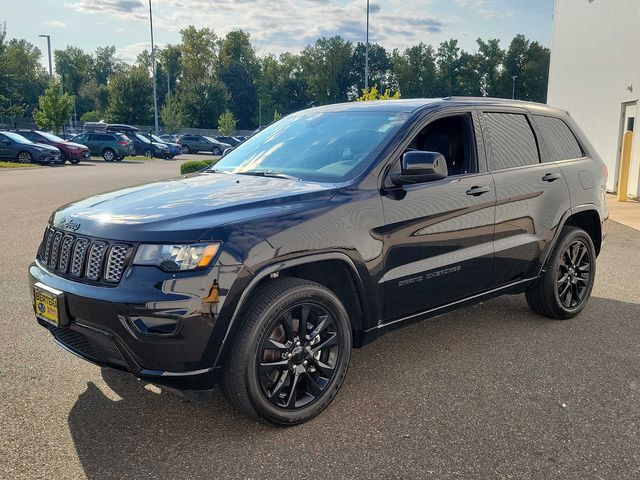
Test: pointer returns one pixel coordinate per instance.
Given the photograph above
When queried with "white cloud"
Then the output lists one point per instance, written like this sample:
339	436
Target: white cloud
130	52
55	23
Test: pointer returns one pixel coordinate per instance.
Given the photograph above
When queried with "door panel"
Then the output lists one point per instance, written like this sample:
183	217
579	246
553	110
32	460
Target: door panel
438	243
528	212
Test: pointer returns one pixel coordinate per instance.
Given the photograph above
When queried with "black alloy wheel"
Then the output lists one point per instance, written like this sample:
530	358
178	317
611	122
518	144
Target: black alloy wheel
574	274
216	151
565	284
290	354
298	356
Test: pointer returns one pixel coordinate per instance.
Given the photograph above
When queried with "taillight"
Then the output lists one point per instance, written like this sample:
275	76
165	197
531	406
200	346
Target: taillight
605	173
122	142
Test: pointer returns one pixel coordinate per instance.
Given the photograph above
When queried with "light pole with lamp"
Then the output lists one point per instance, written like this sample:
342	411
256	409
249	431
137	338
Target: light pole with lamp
513	91
48	37
366	54
153	69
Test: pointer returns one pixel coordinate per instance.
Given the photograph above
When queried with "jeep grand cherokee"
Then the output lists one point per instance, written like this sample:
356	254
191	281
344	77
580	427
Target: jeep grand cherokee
318	234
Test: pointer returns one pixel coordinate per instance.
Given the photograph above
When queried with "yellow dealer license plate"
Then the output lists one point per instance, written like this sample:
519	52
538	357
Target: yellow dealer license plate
45	303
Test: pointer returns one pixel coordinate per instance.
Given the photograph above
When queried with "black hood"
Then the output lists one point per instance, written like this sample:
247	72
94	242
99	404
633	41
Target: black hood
184	209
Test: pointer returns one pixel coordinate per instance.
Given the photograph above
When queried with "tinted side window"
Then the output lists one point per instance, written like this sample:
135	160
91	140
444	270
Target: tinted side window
512	141
187	139
559	139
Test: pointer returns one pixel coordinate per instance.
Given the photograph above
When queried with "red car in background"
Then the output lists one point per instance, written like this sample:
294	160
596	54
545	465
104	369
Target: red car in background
73	152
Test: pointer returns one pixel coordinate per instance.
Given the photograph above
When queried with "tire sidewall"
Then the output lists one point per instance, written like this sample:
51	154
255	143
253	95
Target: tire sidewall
572	236
268	319
107	152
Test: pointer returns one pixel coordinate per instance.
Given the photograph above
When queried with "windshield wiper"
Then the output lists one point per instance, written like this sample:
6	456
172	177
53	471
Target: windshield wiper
265	173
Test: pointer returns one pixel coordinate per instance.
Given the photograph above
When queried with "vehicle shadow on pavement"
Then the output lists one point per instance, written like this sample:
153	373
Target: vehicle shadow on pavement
488	391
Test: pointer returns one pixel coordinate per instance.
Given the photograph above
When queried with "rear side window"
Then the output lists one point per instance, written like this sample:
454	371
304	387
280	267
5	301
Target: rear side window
559	139
512	141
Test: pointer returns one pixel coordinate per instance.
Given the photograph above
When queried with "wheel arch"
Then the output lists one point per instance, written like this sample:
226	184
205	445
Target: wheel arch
586	217
334	270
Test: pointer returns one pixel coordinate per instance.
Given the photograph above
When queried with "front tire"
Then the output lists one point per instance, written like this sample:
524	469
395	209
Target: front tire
24	157
185	149
216	151
289	358
148	153
564	289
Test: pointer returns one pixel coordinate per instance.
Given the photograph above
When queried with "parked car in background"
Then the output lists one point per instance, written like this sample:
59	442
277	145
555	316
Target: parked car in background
170	138
232	141
111	146
16	148
202	143
174	148
72	152
146	147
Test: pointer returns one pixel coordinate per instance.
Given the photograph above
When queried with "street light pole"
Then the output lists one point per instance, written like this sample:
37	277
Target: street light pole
513	92
153	69
366	55
48	37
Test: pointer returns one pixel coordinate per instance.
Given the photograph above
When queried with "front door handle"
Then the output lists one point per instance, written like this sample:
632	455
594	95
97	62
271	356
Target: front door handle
477	190
550	177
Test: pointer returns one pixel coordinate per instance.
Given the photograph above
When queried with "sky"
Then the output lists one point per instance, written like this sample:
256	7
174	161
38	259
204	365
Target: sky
275	26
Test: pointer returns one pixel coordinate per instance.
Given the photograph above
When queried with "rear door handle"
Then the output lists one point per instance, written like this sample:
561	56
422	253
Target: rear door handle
477	190
550	177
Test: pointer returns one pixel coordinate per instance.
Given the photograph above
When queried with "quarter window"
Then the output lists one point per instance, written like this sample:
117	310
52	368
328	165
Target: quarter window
512	141
560	141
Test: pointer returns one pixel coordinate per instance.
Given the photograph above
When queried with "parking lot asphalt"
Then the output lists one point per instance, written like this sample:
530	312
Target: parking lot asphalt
488	392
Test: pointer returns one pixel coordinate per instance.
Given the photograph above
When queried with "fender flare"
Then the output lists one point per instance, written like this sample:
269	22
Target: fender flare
563	220
285	264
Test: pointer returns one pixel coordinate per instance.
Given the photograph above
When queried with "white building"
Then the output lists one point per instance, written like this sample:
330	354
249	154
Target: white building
595	75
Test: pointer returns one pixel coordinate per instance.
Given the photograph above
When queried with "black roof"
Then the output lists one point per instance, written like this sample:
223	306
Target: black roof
414	104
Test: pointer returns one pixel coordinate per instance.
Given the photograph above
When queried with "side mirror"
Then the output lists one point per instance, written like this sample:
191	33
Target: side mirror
420	167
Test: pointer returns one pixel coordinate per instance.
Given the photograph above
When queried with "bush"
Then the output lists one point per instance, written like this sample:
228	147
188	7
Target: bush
194	166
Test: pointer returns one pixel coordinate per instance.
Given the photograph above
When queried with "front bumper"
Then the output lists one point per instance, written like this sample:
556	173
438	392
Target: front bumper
50	158
102	324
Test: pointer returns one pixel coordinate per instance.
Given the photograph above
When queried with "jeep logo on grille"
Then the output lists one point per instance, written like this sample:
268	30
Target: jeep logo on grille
71	225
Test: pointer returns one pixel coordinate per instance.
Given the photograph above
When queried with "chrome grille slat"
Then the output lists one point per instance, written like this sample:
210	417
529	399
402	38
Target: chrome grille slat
115	262
94	264
65	253
79	253
80	257
55	250
47	247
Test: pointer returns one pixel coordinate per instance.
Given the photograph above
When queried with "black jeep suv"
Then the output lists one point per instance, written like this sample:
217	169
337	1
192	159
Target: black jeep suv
318	234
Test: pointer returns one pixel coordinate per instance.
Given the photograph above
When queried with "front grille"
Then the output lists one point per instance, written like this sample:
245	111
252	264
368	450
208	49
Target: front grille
96	347
84	258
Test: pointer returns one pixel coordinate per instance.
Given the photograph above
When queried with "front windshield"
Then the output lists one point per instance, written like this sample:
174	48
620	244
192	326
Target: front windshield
156	138
51	137
212	140
315	146
17	138
142	138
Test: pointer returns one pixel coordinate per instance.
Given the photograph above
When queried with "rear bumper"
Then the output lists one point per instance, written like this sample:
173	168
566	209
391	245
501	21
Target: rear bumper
101	325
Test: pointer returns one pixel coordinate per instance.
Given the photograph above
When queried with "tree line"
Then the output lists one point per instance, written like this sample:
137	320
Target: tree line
204	75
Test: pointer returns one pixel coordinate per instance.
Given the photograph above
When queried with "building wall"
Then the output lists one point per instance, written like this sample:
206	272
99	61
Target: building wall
594	59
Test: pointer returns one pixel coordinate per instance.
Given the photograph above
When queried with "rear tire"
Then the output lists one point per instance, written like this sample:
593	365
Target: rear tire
290	356
148	153
185	149
109	155
564	288
216	151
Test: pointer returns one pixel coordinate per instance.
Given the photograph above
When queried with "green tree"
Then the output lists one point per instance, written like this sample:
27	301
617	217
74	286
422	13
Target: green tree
202	96
276	116
54	108
415	71
130	97
379	66
91	116
326	67
105	64
227	123
535	74
171	115
238	70
75	68
489	61
22	76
